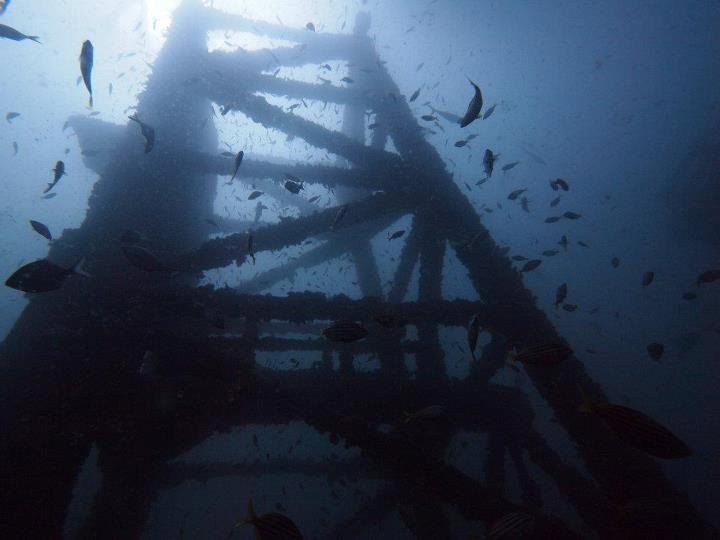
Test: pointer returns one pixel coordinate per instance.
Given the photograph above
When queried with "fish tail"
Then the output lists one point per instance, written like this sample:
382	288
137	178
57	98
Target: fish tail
90	102
34	38
586	405
78	269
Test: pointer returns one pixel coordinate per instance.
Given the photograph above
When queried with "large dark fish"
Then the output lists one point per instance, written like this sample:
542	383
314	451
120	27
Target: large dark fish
510	165
638	430
293	187
238	161
396	234
43	276
708	277
515	194
59	171
546	354
148	132
344	331
648	278
254	195
531	265
474	108
41	228
10	33
489	160
86	65
144	259
272	526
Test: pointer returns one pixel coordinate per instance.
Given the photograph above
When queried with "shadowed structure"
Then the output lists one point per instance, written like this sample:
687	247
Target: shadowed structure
68	367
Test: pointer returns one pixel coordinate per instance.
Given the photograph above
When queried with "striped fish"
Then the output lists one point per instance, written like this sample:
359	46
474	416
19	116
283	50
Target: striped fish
514	525
271	526
637	429
546	354
345	331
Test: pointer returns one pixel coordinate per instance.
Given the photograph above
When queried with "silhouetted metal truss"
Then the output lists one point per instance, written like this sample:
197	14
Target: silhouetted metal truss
78	350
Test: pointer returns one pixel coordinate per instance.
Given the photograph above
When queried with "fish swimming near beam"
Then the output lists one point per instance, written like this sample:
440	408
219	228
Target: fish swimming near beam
474	107
86	65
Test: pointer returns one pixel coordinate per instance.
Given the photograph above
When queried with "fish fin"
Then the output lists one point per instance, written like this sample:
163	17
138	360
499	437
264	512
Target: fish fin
586	405
78	269
34	38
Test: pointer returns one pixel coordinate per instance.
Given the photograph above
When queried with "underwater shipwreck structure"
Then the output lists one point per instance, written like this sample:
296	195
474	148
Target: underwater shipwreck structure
68	367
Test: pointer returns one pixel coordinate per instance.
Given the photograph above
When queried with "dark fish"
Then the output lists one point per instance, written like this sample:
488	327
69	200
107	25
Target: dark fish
414	96
374	125
515	194
638	430
272	526
655	350
43	276
238	161
563	242
572	215
524	204
545	354
15	148
144	259
562	184
474	107
310	26
86	65
648	278
583	244
514	525
338	217
49	196
226	154
471	137
450	117
708	277
389	320
148	132
41	228
460	144
110	89
347	80
313	199
428	117
510	165
396	235
251	252
531	265
552	219
254	195
420	65
10	33
9	116
59	171
489	161
473	331
570	307
130	237
519	258
689	296
489	111
344	331
554	202
550	252
615	262
561	294
293	187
